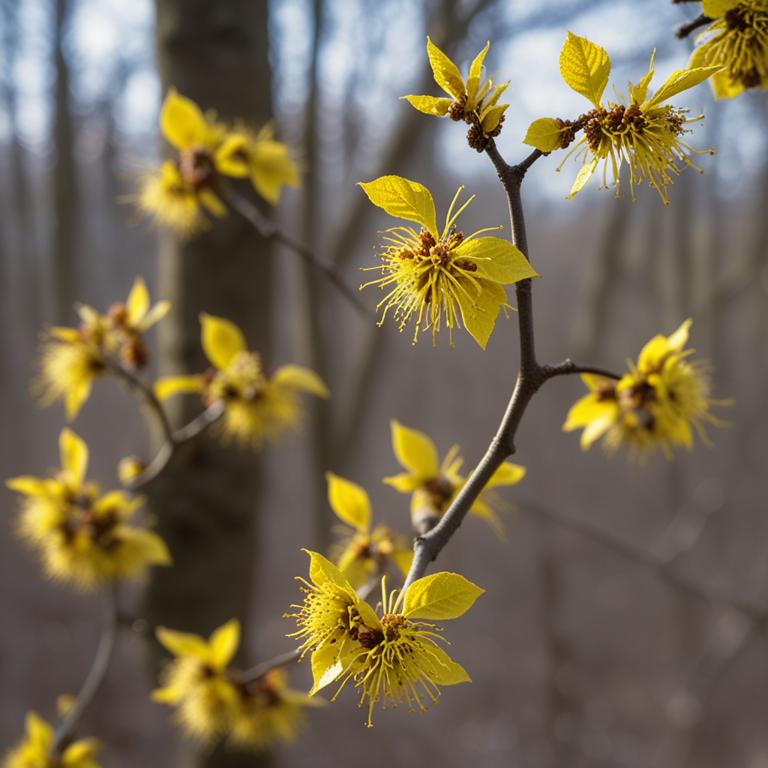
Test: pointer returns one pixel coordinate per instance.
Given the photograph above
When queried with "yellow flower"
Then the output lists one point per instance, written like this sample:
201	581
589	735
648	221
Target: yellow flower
737	40
269	712
35	750
256	406
196	681
392	658
83	537
657	405
644	132
72	359
185	188
434	485
257	156
474	100
364	553
429	274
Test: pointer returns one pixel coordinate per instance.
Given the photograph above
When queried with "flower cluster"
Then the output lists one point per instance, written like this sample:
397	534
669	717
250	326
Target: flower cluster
390	658
256	406
73	358
82	536
185	188
364	552
36	749
440	276
658	404
737	41
474	100
434	485
212	700
640	130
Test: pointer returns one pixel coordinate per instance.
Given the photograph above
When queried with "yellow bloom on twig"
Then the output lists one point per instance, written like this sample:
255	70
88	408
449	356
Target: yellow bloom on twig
256	406
83	537
737	40
391	658
474	100
433	485
658	404
641	130
440	277
71	359
35	750
365	552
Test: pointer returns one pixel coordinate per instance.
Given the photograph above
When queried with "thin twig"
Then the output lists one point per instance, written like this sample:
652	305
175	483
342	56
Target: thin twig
269	230
691	26
568	367
95	676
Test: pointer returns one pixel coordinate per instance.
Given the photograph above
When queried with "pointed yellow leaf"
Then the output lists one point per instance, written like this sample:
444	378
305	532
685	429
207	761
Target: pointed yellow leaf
680	81
80	754
414	450
403	199
322	571
497	259
717	8
155	315
444	670
39	732
326	667
182	122
169	386
430	105
446	73
639	92
296	377
349	502
74	456
585	67
183	643
224	643
221	340
507	474
545	134
479	314
76	396
405	482
475	73
441	595
147	545
138	301
28	485
492	117
582	177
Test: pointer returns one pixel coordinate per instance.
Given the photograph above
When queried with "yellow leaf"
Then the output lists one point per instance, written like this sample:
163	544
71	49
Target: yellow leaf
446	73
479	314
296	377
39	732
183	643
441	595
149	546
138	301
76	396
496	259
169	386
223	643
444	670
414	450
80	754
492	117
585	67
680	81
716	8
231	158
74	456
724	87
582	177
507	474
157	313
430	105
405	482
403	199
221	340
182	122
639	92
322	571
350	502
545	134
475	73
28	485
326	667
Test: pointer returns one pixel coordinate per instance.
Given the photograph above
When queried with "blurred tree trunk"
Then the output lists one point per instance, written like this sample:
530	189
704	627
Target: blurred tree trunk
206	502
64	180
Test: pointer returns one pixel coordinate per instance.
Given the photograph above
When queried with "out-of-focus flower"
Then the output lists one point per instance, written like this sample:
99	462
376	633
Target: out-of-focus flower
256	406
658	404
474	100
737	40
83	537
365	551
641	130
35	749
440	277
71	359
393	658
434	485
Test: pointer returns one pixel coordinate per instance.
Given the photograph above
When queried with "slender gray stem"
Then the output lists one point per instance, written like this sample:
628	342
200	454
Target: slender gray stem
96	674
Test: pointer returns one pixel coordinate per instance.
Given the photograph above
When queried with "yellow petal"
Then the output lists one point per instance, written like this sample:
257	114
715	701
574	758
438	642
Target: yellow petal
441	595
29	485
430	105
138	302
183	643
296	377
182	122
221	340
405	482
212	203
74	754
350	502
587	409
74	456
169	386
507	474
545	134
231	158
39	732
414	450
595	430
149	546
224	643
75	397
155	315
403	199
723	87
446	73
585	67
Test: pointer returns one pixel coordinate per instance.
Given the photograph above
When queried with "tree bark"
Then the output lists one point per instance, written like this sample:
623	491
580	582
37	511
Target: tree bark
206	501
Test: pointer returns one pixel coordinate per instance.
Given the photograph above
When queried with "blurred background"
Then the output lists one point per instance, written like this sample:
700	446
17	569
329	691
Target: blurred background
582	651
